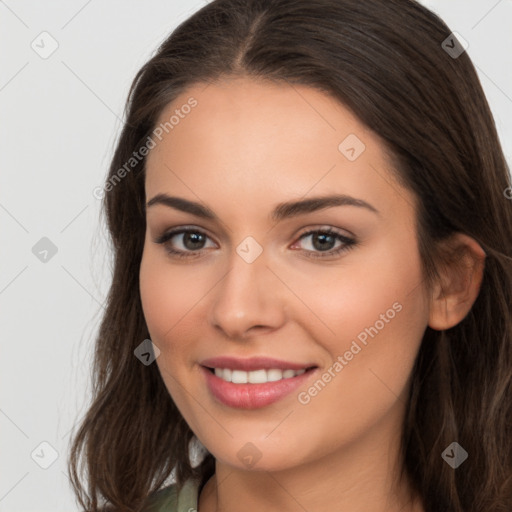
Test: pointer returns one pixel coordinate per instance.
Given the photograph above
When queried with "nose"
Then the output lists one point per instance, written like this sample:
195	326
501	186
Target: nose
249	299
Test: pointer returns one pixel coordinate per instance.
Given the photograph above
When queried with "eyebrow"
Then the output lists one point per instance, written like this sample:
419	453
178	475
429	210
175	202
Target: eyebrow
280	212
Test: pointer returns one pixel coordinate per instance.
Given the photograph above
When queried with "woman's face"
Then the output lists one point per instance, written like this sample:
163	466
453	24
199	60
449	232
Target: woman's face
252	283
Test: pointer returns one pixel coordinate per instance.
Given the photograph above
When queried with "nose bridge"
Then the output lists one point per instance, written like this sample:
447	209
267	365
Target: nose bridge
246	296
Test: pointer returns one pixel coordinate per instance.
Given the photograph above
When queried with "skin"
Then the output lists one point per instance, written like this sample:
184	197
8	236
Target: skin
246	147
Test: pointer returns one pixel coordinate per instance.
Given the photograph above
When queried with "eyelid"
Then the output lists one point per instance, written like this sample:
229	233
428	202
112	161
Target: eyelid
177	230
308	230
326	228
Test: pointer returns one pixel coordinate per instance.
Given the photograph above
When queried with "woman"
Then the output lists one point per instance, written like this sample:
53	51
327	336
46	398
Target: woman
313	277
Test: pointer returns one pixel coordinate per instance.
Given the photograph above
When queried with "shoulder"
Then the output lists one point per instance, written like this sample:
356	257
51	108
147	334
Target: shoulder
169	499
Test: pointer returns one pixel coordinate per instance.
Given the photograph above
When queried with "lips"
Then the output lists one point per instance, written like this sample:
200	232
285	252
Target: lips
255	382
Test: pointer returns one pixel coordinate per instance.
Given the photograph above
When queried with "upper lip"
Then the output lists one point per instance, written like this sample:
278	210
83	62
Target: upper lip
253	363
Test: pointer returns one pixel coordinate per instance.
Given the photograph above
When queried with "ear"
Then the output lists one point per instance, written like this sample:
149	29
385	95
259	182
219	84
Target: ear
459	284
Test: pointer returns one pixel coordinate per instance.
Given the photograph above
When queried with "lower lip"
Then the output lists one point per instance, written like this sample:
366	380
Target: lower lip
252	396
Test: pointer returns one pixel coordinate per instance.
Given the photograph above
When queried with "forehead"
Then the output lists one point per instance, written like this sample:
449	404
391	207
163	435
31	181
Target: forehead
261	139
242	112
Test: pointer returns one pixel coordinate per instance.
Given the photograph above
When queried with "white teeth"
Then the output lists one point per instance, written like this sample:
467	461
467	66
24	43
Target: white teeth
256	376
273	375
238	377
288	373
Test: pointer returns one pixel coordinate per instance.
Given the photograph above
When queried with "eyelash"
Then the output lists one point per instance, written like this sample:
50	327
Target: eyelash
348	243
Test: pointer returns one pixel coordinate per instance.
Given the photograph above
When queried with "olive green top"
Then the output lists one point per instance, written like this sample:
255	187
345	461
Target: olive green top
168	499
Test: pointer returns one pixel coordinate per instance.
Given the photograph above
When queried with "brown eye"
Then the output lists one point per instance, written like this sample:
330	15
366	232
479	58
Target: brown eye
189	241
323	241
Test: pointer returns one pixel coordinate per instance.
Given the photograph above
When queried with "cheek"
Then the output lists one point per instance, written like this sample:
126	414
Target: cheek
162	309
168	296
366	289
377	312
173	296
168	293
373	315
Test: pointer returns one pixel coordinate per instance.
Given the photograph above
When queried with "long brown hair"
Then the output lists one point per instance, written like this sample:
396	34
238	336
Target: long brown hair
386	62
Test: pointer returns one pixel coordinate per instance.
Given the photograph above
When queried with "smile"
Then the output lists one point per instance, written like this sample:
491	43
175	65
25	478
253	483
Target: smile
254	389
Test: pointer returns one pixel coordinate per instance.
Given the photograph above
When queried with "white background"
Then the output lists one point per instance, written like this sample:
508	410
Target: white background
59	121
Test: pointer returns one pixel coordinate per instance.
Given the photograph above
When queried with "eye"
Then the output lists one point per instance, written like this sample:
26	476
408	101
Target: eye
323	242
191	240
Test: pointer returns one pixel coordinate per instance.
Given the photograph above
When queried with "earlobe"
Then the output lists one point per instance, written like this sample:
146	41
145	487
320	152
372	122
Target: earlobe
459	284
